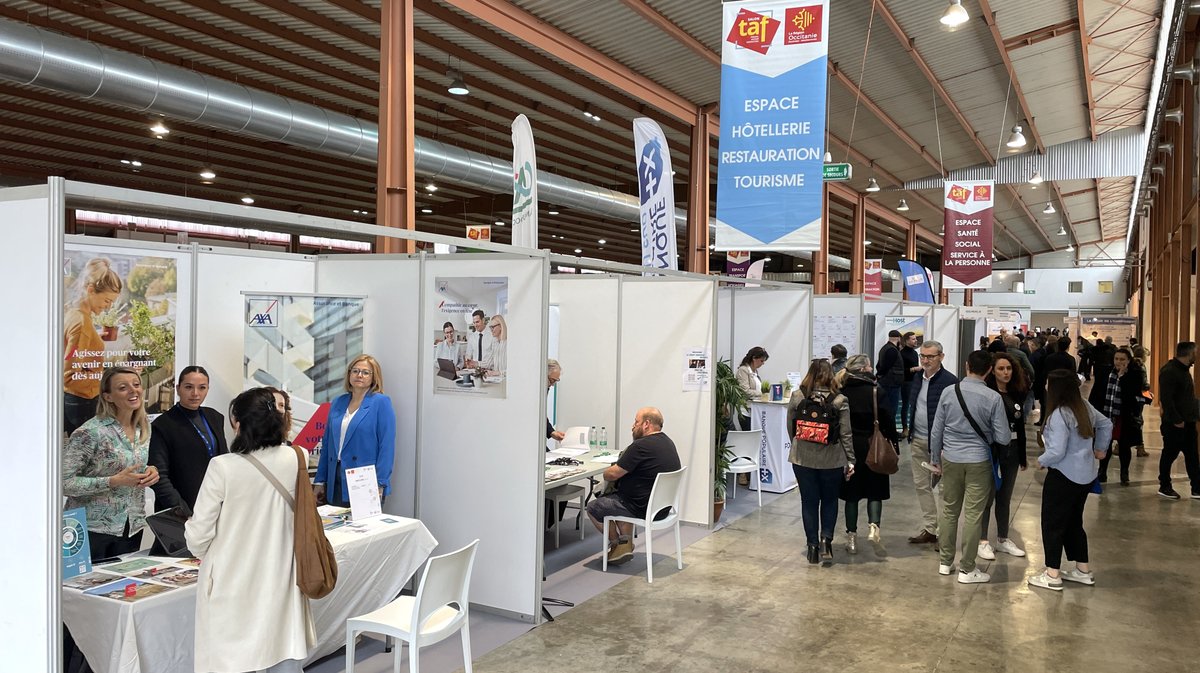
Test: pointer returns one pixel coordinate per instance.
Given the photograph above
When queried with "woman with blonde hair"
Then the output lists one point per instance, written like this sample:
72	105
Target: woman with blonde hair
96	290
822	454
360	431
496	361
104	466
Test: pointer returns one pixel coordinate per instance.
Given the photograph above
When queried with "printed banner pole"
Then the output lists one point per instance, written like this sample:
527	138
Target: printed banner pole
773	94
873	278
916	281
525	197
656	193
967	243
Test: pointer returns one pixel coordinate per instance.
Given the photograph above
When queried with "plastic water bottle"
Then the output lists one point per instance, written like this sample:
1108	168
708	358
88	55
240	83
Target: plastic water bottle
592	438
603	439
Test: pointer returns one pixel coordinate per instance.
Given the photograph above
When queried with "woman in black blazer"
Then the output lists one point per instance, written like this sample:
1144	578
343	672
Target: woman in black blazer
183	440
1125	408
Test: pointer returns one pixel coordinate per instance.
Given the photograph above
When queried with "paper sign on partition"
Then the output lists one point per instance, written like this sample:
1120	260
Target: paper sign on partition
364	493
696	365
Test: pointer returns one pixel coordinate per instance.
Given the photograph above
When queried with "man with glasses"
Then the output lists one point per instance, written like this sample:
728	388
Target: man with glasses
448	347
553	376
926	391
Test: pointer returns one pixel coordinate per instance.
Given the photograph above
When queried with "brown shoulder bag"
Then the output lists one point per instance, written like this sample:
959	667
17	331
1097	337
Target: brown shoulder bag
881	457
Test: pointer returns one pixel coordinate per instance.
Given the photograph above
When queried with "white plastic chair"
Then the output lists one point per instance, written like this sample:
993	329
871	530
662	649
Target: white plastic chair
665	494
576	437
744	444
437	611
566	493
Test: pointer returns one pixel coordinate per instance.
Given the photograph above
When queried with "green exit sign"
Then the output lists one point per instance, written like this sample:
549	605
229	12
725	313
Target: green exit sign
1030	291
836	172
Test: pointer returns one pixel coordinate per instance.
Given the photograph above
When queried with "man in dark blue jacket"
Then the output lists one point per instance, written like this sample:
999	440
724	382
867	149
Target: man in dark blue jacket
1177	395
925	392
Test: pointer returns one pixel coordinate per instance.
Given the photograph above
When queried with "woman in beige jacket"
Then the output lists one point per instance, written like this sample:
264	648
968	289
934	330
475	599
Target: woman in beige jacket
250	616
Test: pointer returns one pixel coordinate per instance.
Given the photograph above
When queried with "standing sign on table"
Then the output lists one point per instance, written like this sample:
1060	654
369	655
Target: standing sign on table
967	244
773	89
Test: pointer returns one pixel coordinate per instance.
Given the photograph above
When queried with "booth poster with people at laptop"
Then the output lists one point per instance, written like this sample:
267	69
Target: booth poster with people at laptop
470	336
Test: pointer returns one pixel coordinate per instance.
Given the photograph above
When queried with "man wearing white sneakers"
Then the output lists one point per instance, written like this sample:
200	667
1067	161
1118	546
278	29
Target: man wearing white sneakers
969	420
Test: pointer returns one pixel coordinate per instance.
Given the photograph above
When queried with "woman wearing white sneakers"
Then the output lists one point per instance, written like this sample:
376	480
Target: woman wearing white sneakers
1008	379
1072	433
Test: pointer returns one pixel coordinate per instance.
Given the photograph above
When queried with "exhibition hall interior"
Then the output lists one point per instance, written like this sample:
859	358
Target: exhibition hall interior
621	335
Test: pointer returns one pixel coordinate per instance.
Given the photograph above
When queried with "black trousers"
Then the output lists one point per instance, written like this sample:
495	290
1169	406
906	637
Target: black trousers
1177	441
905	392
1001	498
1124	454
1062	519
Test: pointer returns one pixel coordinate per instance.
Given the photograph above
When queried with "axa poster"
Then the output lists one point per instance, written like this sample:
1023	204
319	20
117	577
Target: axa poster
967	243
773	92
124	310
302	344
470	335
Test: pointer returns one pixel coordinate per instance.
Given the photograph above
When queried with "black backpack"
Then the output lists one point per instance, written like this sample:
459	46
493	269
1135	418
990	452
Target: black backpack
816	420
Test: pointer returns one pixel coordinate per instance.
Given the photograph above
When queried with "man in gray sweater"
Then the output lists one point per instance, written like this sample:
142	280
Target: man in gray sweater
964	459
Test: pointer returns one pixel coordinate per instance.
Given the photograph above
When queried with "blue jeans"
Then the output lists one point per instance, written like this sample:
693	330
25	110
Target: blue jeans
819	500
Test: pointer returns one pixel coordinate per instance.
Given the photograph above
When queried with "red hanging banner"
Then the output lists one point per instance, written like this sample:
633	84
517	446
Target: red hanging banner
967	243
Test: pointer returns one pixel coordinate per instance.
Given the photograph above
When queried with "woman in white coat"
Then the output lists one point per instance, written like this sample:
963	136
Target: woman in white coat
250	616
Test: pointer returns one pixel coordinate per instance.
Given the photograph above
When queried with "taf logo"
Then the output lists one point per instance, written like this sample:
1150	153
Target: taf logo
753	31
650	169
262	313
802	25
983	193
959	194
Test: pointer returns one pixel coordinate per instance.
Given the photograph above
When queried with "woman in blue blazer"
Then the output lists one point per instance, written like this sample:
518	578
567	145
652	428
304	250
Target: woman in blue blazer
360	431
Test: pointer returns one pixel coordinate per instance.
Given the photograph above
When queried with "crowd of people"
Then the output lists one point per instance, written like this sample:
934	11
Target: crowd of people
967	440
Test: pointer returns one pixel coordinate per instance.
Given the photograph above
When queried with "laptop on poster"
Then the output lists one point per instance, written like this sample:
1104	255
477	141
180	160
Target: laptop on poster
168	529
446	369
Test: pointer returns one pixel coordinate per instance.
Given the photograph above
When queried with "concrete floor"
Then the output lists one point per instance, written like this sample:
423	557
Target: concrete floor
747	600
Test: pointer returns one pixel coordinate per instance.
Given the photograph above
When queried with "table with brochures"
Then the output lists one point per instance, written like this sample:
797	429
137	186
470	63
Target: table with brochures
153	630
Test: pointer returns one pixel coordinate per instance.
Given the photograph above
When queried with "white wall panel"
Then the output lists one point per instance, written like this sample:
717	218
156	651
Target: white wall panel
587	351
779	321
390	285
661	318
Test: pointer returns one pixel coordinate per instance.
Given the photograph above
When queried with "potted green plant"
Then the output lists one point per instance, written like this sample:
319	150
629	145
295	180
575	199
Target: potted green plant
730	397
766	391
107	321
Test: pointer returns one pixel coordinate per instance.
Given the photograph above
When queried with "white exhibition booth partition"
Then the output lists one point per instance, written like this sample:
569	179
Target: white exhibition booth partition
776	318
588	350
662	319
31	403
837	319
946	329
880	309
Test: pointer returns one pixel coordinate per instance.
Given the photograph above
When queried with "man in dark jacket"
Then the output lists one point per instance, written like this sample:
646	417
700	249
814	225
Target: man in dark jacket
1102	358
1177	394
1038	359
926	390
889	369
912	365
1061	358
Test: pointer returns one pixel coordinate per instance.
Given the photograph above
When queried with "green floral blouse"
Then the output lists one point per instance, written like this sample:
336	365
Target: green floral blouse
95	452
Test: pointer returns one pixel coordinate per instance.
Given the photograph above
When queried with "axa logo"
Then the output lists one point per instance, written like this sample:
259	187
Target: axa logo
753	31
802	25
262	313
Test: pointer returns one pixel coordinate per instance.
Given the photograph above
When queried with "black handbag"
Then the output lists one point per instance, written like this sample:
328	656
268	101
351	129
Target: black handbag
1000	452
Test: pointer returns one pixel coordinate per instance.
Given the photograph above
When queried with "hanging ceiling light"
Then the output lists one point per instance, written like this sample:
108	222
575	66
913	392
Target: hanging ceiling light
872	185
1070	248
248	200
578	251
828	157
457	86
903	205
1049	209
208	173
1036	178
955	15
430	187
158	129
1016	139
427	211
553	211
865	243
1062	231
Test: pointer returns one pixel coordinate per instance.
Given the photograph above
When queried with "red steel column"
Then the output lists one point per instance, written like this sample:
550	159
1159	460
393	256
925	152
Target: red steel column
697	233
395	196
820	258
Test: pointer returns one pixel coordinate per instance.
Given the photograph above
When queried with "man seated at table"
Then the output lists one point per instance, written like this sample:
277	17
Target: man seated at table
634	473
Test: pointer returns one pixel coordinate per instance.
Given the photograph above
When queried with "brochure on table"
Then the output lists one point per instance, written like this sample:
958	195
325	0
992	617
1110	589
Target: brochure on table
364	493
76	554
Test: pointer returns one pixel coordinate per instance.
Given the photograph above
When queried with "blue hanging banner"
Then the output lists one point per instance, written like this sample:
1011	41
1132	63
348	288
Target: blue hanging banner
773	88
916	281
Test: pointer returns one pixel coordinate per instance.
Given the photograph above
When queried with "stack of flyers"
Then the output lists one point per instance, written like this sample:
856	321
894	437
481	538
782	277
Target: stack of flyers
120	590
90	580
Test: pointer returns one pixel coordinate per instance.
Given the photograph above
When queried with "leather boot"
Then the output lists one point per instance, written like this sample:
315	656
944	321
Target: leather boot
813	554
851	542
827	550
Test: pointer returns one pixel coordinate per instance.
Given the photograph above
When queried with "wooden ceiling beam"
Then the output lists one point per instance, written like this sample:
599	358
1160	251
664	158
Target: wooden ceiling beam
153	11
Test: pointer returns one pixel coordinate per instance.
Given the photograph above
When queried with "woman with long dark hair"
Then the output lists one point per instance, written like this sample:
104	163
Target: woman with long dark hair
250	615
1075	435
1010	380
866	405
747	378
184	440
820	464
1118	397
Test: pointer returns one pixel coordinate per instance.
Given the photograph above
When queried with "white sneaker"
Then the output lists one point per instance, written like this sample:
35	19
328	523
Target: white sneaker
986	552
1076	575
1045	581
976	576
944	569
1009	547
873	533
